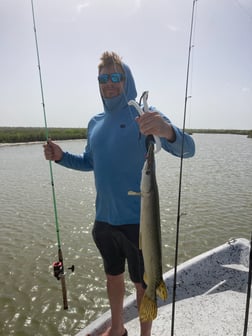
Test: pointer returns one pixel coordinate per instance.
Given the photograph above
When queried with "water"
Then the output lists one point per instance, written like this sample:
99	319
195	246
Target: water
216	205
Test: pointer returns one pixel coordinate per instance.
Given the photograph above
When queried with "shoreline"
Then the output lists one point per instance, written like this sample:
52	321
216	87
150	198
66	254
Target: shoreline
33	135
12	144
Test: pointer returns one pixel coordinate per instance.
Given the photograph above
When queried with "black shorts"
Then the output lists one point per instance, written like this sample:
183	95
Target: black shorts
118	244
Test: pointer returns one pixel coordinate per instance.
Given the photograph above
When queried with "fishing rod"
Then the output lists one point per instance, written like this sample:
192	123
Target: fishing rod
58	266
245	331
181	166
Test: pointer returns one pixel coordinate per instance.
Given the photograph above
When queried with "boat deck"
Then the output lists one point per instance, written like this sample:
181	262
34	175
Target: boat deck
215	314
210	297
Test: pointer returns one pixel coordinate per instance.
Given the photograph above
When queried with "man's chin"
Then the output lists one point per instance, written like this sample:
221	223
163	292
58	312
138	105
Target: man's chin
111	95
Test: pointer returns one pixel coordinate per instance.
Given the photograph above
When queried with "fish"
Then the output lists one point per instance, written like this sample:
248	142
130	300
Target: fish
150	240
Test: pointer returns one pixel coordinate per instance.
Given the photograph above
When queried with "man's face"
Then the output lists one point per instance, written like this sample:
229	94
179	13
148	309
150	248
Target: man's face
111	89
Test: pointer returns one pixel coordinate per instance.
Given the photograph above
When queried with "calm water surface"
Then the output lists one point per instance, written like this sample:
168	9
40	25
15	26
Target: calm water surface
216	205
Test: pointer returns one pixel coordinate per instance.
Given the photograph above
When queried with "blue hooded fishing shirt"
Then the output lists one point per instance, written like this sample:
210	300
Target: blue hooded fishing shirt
115	151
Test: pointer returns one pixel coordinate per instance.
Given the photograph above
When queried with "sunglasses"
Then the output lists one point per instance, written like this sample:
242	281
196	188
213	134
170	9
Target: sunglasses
115	77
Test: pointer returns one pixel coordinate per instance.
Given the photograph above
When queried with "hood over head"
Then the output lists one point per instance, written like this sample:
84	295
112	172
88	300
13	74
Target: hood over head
129	93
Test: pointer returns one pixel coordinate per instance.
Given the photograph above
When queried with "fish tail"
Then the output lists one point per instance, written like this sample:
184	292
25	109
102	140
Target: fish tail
148	309
162	291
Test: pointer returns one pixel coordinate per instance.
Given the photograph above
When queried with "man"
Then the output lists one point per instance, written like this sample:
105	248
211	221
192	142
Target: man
116	151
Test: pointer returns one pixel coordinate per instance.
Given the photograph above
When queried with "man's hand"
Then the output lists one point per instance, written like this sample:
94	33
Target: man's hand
52	151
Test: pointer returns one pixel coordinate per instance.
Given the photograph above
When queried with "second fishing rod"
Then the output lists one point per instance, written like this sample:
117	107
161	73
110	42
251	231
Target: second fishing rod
181	166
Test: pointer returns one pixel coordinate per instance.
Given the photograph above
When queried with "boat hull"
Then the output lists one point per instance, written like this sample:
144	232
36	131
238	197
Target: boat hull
210	296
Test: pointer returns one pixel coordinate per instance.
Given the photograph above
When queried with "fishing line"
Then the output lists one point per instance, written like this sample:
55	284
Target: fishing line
181	166
58	266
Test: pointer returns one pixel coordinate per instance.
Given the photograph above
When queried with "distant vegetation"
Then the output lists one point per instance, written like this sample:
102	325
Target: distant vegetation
33	134
221	131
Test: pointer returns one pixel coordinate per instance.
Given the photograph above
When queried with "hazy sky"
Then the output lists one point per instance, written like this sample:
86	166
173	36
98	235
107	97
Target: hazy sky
152	36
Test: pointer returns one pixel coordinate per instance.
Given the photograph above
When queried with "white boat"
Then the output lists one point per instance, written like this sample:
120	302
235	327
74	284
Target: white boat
211	297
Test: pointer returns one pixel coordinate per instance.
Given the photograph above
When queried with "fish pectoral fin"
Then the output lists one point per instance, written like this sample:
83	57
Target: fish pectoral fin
162	291
134	193
148	309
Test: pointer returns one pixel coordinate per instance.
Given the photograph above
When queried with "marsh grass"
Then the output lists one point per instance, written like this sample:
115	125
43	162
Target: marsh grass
33	134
